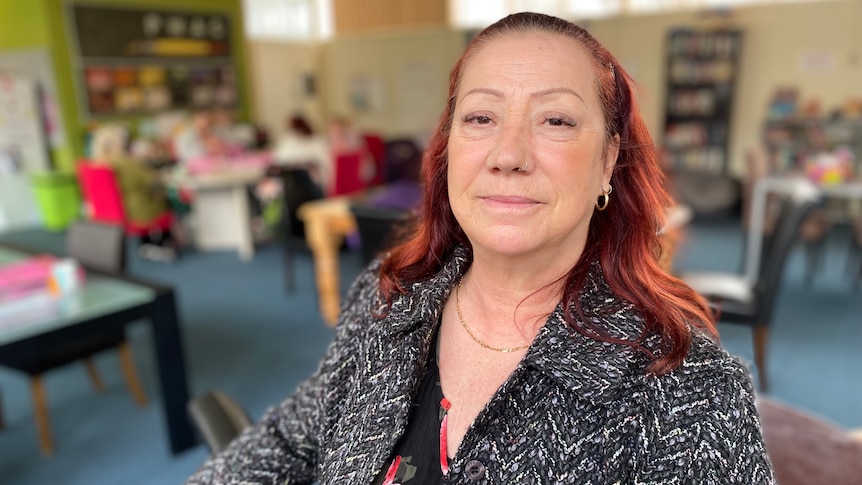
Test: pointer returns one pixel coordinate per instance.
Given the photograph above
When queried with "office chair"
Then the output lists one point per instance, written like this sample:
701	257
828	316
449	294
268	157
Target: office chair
378	227
739	301
100	247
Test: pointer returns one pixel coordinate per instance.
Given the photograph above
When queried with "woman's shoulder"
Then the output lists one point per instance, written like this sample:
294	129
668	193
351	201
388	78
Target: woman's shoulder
364	294
709	379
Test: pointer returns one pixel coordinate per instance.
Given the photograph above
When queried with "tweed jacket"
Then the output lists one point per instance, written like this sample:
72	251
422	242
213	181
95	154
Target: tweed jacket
575	410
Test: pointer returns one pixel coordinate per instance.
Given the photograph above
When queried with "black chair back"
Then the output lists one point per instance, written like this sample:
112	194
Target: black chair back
297	189
775	258
402	160
97	245
378	227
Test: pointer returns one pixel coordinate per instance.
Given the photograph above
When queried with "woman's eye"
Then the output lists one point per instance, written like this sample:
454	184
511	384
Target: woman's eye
477	119
560	122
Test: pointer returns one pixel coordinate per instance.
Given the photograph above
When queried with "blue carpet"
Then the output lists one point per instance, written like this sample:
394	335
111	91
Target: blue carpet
245	334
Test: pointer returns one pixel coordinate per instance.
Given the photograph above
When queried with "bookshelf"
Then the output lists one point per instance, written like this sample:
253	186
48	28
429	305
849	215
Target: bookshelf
790	140
701	76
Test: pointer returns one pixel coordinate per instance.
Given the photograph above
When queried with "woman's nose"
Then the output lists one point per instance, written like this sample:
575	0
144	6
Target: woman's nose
512	151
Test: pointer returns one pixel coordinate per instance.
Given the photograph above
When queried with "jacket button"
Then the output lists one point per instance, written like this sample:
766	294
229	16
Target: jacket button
475	470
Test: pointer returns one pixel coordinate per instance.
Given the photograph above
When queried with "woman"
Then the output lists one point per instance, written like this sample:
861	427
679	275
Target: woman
524	333
300	147
145	201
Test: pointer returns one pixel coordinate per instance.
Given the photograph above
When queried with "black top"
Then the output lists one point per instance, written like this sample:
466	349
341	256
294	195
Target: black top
416	457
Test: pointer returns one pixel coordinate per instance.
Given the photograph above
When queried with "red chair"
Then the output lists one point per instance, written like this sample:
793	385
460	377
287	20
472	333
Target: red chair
377	148
348	173
104	200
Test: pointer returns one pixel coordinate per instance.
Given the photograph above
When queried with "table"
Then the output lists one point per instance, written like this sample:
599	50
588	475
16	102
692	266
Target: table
107	303
788	185
220	213
327	222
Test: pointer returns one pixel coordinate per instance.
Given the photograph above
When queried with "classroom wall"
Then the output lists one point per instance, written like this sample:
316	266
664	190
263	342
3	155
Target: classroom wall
814	46
285	79
395	83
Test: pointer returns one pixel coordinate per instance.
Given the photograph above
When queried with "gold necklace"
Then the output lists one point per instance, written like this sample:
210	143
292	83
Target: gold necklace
504	350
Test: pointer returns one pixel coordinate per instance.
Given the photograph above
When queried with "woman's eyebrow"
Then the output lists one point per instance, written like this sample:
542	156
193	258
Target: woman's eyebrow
545	92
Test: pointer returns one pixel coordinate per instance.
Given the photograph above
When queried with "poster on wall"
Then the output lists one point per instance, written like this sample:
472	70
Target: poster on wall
145	60
23	149
36	65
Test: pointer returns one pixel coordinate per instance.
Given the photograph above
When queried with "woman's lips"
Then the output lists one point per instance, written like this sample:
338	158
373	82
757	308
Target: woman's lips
508	201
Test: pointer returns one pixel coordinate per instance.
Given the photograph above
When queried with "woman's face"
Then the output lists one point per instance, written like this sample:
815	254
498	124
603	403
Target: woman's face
528	99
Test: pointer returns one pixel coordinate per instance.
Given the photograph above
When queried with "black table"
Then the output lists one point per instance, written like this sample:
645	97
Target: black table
109	302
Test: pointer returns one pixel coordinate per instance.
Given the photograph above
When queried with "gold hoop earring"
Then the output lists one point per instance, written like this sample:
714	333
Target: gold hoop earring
605	198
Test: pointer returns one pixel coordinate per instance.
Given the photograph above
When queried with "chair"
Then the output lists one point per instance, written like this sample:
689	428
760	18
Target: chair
752	303
104	200
217	418
402	160
806	450
855	270
377	227
100	247
97	245
760	163
347	173
377	148
297	188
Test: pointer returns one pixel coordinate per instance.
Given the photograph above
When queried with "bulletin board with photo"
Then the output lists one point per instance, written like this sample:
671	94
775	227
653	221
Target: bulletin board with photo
141	61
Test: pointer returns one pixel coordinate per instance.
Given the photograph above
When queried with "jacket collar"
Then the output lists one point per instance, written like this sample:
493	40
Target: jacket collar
592	368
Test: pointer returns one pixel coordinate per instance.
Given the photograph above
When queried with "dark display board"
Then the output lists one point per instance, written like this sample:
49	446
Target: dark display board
147	60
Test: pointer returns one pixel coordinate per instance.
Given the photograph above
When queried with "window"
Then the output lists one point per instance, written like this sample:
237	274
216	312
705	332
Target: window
471	14
288	19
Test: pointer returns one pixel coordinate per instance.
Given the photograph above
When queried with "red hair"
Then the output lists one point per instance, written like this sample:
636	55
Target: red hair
624	237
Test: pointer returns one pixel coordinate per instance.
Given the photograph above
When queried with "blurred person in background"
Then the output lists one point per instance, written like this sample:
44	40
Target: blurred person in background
299	146
144	198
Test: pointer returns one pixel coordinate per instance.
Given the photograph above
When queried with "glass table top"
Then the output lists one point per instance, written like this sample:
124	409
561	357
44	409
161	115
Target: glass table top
41	312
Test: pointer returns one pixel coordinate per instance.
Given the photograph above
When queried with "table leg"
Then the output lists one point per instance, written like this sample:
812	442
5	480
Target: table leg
172	371
324	252
245	239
